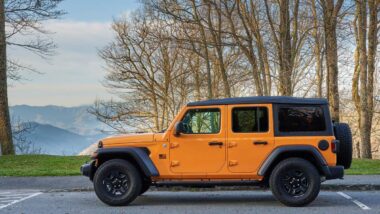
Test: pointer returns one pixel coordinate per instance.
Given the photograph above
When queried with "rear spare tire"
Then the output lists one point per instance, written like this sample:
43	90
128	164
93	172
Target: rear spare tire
343	133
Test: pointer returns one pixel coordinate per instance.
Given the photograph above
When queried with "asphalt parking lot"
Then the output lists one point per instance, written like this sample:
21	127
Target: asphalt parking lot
32	201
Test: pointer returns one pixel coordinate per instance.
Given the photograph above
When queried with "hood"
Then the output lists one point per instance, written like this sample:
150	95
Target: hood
123	140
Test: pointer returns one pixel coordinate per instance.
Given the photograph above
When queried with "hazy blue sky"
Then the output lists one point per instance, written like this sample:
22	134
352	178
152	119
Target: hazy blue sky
97	10
73	76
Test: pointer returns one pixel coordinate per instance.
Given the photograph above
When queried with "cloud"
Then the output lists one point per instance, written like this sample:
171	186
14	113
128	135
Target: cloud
80	36
72	77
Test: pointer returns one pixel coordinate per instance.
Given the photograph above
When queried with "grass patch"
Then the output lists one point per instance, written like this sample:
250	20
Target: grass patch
364	167
41	165
47	165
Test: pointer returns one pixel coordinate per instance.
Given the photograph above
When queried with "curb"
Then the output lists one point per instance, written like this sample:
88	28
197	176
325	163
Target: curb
326	187
354	187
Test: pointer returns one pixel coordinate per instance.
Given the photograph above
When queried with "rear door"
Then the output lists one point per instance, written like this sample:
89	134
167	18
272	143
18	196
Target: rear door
301	124
250	136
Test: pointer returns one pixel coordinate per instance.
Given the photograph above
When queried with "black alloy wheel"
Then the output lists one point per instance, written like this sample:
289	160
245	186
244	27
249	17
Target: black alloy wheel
295	182
116	183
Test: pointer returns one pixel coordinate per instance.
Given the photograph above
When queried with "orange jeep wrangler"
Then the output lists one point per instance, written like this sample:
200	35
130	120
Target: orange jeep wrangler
289	144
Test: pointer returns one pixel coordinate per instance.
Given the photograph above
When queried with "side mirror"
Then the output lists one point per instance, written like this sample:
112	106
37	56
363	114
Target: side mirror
178	128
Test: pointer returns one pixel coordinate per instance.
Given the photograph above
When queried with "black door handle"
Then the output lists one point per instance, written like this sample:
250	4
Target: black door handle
215	143
260	143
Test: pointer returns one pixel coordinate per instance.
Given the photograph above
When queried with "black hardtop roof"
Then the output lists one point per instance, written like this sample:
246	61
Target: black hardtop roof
260	100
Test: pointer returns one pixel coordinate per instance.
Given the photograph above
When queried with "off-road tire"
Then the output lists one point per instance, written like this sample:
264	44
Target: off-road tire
145	186
102	177
344	154
278	184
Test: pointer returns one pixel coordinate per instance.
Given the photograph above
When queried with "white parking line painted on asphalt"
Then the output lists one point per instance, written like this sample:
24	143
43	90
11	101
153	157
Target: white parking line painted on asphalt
15	194
344	195
360	204
13	199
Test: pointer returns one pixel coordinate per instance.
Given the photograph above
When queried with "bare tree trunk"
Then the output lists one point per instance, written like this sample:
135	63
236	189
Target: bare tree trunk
195	70
365	134
5	124
206	55
263	59
286	52
210	94
245	43
373	6
332	64
287	42
330	14
217	40
262	51
365	70
355	78
317	51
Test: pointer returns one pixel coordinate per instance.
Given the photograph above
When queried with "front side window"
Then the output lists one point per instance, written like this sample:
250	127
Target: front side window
301	119
202	121
250	119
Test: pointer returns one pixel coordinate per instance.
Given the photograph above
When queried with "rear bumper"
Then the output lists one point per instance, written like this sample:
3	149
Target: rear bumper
334	172
88	169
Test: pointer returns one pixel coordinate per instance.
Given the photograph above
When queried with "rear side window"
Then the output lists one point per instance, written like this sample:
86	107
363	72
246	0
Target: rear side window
301	119
250	119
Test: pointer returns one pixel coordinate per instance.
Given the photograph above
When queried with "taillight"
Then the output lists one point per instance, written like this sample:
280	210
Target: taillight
335	146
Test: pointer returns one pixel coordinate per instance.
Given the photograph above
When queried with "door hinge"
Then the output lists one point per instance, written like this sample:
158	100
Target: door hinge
174	145
174	163
233	163
232	144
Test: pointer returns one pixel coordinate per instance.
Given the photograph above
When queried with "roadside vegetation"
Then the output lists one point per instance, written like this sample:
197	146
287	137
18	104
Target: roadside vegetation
41	165
46	165
364	167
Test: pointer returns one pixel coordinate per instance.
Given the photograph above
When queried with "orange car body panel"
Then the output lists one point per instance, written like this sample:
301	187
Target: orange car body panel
189	157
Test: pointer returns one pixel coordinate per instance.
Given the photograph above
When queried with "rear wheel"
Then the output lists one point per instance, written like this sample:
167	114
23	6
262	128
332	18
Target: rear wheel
295	182
117	182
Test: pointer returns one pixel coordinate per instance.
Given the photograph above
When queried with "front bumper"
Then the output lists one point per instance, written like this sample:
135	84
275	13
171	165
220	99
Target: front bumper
88	169
334	172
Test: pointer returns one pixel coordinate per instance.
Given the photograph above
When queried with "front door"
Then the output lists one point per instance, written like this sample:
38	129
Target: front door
201	148
250	136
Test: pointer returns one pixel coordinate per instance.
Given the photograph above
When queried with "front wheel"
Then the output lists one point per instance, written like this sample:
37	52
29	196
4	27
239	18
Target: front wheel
117	182
295	182
145	185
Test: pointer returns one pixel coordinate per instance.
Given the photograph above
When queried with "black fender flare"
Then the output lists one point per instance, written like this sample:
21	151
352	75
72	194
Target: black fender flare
320	162
140	155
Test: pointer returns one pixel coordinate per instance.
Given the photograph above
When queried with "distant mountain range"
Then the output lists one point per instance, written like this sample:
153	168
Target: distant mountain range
74	119
57	141
59	130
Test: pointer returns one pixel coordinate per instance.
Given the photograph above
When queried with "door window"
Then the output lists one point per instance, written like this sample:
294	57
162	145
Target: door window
202	121
250	119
